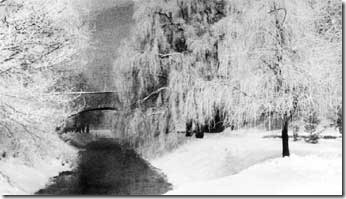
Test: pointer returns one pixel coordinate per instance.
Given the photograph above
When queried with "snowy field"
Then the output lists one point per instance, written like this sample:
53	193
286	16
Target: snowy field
244	163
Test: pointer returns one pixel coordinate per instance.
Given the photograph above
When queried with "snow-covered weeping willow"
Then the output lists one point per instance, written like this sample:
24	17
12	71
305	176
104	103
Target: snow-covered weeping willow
309	63
244	58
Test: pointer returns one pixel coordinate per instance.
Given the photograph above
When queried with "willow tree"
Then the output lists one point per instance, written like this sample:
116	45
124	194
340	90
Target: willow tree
171	57
241	59
279	61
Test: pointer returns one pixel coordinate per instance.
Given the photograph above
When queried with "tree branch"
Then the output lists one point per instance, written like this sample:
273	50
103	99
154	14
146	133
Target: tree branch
242	92
278	9
9	132
6	71
270	66
2	2
169	54
153	93
169	18
83	92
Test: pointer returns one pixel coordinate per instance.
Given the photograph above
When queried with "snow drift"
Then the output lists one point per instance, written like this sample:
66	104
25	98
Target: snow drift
244	163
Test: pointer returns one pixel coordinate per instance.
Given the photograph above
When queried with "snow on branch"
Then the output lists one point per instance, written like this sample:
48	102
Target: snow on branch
38	39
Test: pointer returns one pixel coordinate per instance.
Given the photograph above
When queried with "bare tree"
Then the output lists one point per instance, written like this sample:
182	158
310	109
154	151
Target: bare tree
38	39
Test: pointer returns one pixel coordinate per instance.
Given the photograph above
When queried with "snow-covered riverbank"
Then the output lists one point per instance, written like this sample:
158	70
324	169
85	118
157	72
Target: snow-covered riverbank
26	171
19	178
231	163
244	163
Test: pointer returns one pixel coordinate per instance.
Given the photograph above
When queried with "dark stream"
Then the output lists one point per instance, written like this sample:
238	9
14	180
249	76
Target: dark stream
105	167
108	168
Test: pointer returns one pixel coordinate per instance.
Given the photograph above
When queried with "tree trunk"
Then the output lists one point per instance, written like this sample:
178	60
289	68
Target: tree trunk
284	135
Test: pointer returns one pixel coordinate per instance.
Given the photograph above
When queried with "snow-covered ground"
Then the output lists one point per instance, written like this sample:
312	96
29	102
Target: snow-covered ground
17	178
244	163
231	163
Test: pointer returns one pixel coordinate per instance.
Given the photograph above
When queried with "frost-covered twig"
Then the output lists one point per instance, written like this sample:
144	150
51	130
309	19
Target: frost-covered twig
153	93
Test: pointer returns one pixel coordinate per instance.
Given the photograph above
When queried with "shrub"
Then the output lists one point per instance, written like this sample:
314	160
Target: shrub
311	121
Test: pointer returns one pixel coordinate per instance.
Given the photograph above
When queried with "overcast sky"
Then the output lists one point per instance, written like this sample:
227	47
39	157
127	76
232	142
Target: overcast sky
112	20
97	5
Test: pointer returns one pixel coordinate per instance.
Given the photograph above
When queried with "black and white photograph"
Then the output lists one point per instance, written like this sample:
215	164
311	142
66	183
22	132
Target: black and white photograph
171	97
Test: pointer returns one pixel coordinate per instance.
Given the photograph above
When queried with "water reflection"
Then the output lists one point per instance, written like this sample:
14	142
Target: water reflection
108	168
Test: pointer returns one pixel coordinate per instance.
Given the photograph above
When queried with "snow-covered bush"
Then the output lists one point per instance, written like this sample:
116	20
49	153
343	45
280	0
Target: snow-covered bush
311	122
